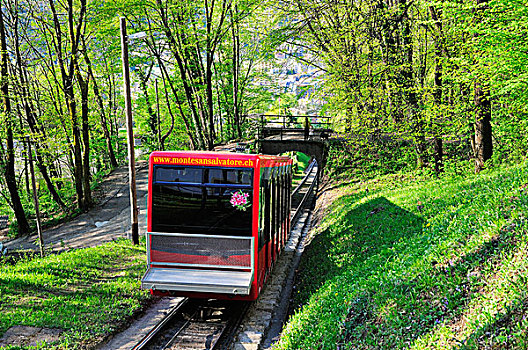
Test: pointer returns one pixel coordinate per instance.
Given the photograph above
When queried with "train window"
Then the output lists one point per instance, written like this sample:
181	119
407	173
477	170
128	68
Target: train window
262	213
273	208
202	207
267	218
178	174
230	176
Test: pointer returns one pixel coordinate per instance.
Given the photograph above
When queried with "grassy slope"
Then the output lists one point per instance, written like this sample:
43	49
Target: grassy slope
410	263
302	161
84	292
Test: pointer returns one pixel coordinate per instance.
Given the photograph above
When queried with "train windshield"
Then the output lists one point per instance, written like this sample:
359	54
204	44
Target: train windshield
202	200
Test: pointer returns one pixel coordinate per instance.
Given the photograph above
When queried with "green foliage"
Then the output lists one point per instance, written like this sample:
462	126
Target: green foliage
360	159
86	293
408	70
283	104
403	261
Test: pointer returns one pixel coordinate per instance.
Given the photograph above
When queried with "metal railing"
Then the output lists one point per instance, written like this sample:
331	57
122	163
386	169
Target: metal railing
269	125
292	121
308	171
202	245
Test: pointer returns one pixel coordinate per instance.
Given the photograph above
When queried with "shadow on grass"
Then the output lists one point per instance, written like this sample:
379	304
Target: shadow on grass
401	309
87	292
396	291
362	232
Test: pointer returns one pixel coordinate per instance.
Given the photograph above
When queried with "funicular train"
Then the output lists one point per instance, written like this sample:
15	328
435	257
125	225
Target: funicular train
216	222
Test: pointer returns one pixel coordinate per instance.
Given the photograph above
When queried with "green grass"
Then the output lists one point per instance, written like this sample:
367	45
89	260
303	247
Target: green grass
301	162
86	293
409	262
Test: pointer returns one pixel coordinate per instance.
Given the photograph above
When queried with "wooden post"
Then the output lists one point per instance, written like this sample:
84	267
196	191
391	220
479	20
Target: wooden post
130	134
35	197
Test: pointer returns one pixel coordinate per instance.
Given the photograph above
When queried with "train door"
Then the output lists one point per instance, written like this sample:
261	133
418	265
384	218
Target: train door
284	206
280	226
273	246
269	221
261	265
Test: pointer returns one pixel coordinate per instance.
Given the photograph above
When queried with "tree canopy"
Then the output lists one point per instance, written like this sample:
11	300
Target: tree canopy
426	75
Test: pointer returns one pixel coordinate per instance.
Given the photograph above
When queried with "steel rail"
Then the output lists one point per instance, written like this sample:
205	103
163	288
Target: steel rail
173	338
156	329
299	208
308	173
221	330
223	342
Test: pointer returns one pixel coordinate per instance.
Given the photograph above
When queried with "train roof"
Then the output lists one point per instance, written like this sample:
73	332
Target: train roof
209	158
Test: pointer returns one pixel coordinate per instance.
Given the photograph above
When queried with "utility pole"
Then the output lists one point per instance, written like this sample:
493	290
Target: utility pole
35	197
158	114
130	134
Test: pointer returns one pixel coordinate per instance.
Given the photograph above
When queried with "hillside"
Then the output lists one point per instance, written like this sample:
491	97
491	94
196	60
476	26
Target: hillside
409	262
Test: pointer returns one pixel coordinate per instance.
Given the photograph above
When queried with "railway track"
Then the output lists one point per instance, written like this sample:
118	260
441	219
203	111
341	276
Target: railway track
301	195
196	324
211	324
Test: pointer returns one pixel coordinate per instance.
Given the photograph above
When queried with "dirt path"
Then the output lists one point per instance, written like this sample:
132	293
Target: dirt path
107	221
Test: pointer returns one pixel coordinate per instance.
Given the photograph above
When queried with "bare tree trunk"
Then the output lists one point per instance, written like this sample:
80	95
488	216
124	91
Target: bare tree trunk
187	88
236	71
23	87
153	119
67	75
188	126
483	131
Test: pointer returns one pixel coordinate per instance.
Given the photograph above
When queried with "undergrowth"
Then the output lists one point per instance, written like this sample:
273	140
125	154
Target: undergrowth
406	261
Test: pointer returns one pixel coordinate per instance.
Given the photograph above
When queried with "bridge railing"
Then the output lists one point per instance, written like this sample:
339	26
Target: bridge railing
294	121
270	125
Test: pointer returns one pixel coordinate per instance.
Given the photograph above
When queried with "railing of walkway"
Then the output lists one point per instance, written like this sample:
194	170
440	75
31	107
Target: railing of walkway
291	123
294	121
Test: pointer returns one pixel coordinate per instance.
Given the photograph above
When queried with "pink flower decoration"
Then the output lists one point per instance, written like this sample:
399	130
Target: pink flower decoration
239	200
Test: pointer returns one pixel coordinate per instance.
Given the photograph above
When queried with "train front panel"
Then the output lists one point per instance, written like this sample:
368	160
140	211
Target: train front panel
200	225
205	224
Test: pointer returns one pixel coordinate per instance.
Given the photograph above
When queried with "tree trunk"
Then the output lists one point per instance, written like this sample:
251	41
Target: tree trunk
408	85
104	124
24	88
86	177
188	127
236	72
483	131
67	70
186	80
9	156
438	83
153	119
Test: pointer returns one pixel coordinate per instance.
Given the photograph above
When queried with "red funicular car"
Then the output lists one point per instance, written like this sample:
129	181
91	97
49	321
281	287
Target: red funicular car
216	222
